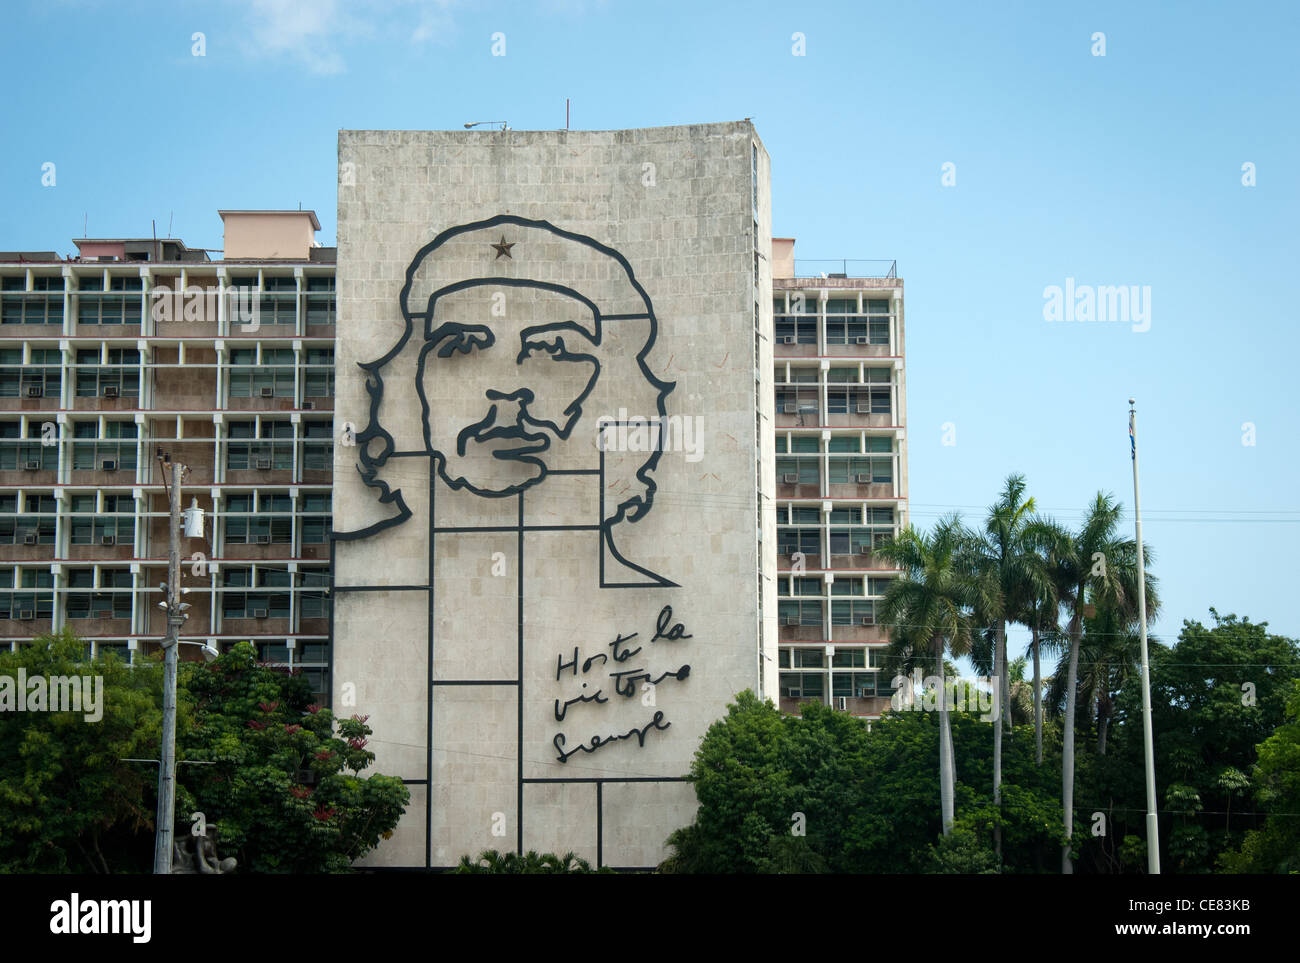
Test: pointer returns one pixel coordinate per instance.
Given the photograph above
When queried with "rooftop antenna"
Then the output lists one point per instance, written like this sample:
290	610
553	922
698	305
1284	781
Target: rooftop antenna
84	218
566	113
170	215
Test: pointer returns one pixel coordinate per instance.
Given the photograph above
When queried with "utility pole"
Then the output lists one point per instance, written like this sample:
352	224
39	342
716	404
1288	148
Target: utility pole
162	852
1153	822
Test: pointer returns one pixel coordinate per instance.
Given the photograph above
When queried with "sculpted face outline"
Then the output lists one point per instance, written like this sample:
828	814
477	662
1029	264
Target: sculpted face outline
536	421
519	406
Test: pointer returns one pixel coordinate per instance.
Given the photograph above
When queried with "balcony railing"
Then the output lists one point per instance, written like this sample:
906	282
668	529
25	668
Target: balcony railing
844	268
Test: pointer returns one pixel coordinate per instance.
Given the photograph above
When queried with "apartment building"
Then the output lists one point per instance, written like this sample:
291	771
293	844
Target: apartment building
139	346
841	472
227	365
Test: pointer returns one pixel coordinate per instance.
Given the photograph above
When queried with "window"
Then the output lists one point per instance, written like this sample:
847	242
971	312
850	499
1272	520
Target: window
19	452
808	658
805	514
847	586
842	376
121	303
42	305
795	326
259	519
861	471
94	375
279	301
321	305
91	526
248	601
860	401
791	540
313	601
855	541
317	446
318	381
878	327
797	471
38	379
849	658
806	586
878	586
799	613
853	612
315	509
264	448
36	524
34	597
113	450
854	684
104	603
271	377
803	685
803	401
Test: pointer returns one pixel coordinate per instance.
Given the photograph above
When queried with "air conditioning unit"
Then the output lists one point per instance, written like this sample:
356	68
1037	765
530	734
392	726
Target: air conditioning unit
309	406
795	694
267	392
867	620
110	391
35	391
864	549
108	540
790	479
108	464
32	464
864	479
26	615
789	408
263	463
262	539
862	340
789	620
29	539
843	703
864	408
259	613
787	339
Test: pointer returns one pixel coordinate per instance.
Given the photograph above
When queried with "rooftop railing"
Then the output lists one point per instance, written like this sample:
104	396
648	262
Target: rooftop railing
843	268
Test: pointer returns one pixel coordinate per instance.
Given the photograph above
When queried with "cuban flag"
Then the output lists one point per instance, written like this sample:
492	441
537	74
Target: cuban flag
1132	438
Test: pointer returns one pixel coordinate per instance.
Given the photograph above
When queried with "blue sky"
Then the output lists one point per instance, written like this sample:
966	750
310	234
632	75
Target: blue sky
1123	169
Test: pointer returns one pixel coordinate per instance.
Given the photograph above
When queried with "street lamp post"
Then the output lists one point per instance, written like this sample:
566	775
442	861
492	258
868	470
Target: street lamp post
162	852
1153	821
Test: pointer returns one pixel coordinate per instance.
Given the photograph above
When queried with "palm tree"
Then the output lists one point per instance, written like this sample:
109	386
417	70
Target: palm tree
1041	608
928	609
1019	696
1004	570
1096	568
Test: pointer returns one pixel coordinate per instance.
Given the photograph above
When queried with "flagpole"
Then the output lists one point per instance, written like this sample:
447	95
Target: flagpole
1153	824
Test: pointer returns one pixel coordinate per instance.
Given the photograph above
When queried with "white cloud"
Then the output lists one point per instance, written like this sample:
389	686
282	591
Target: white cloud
311	32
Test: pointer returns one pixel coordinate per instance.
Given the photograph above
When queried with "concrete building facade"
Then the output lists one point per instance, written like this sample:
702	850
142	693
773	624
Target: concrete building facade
137	345
563	453
552	559
841	467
